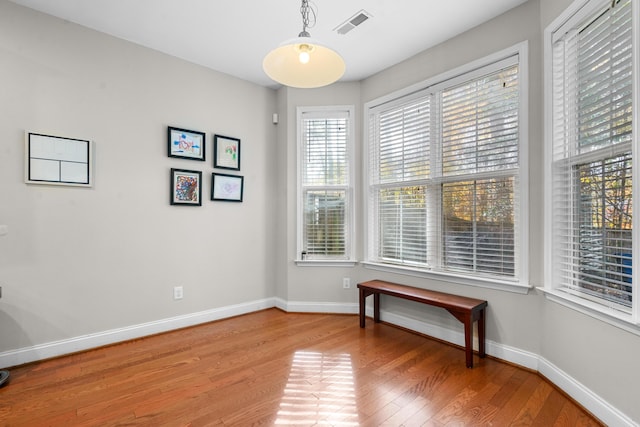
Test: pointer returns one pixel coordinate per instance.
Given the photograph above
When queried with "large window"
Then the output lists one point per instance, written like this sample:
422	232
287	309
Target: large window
325	191
445	180
590	155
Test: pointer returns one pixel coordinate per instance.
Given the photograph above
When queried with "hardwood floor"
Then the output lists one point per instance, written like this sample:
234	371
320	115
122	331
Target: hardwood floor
274	368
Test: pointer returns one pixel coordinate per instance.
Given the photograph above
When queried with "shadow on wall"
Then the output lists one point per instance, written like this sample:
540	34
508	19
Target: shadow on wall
12	336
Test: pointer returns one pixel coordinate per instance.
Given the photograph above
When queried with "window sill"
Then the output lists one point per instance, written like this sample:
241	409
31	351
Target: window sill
608	315
325	263
507	286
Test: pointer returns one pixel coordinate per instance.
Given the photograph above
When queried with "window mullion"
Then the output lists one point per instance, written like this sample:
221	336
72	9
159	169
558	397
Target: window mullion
434	193
474	224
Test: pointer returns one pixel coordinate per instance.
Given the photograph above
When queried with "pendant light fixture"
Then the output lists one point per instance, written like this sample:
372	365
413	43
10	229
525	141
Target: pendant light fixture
304	62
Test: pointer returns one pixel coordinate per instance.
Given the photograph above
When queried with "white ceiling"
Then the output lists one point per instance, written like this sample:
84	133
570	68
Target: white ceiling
233	36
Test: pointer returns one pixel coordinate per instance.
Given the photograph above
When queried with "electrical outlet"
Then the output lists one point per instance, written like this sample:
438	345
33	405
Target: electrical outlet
346	283
177	292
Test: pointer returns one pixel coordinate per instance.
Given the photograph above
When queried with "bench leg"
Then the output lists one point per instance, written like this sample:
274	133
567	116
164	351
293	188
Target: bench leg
468	341
376	307
481	330
363	299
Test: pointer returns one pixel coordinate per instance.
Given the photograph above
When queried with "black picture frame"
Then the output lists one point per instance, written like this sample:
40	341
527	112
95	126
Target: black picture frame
186	187
58	160
226	152
186	144
227	188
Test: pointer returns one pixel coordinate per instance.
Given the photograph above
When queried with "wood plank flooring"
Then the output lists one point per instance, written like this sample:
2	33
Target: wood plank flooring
272	368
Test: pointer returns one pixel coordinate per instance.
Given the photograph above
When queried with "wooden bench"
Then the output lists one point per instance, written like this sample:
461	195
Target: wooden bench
466	310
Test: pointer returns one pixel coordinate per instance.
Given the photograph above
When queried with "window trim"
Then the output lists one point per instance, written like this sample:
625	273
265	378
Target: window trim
350	261
521	283
577	12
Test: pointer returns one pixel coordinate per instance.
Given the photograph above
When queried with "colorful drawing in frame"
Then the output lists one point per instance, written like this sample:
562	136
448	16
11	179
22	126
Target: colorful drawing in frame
186	187
186	144
226	152
228	188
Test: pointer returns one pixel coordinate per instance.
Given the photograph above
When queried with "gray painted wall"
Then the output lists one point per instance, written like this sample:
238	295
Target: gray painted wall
83	261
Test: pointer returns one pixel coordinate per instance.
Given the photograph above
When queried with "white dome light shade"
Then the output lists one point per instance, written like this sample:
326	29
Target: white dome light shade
303	63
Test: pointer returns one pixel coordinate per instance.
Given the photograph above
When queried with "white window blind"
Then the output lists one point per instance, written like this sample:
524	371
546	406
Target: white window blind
480	124
480	160
444	176
399	173
592	157
325	184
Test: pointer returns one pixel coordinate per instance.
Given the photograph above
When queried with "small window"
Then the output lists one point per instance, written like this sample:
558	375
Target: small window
325	191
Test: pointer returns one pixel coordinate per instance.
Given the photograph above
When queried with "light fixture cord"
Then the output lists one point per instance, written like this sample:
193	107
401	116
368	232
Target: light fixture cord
308	18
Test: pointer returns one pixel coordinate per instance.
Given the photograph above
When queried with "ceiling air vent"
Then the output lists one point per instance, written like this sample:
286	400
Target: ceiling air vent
352	22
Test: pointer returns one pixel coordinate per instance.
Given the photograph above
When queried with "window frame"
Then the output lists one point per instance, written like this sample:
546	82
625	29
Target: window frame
574	15
327	112
466	72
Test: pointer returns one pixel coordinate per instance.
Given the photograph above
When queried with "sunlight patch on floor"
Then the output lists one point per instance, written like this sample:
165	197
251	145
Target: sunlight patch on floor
320	391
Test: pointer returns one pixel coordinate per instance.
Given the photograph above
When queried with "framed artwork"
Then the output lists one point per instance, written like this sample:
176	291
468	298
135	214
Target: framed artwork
186	144
227	188
226	152
186	187
56	160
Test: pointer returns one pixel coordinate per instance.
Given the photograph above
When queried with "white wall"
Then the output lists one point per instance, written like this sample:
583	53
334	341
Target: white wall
83	261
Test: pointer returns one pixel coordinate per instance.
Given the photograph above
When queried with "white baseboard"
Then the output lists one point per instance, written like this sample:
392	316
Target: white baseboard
608	414
592	402
86	342
317	307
